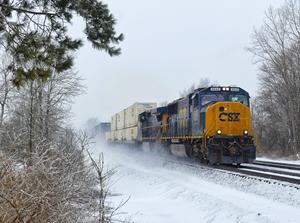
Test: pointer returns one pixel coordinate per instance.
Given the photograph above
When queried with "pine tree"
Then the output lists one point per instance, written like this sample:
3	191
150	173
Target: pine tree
34	33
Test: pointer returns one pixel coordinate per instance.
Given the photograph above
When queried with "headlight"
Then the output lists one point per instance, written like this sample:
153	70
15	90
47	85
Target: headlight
219	132
245	132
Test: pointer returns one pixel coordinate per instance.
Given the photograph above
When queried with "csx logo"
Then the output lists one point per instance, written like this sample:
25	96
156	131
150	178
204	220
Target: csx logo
231	117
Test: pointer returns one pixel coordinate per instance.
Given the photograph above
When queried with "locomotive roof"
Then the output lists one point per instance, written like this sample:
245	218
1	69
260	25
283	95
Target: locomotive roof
224	89
214	89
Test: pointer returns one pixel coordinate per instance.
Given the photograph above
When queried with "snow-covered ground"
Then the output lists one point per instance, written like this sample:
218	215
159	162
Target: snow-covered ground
163	190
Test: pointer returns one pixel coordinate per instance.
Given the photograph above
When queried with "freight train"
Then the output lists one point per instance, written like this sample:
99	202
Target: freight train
211	124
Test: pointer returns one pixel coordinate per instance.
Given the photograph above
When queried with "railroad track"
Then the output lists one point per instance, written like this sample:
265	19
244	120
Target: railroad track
268	170
258	171
278	165
249	167
293	178
277	177
273	170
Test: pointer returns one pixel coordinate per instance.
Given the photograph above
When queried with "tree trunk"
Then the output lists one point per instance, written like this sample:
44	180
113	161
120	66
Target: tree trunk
31	120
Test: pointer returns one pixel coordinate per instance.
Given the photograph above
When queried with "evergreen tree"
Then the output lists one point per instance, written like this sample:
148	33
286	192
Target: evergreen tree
34	32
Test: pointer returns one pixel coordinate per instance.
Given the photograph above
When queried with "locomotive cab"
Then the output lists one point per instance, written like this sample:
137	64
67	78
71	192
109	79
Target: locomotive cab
222	116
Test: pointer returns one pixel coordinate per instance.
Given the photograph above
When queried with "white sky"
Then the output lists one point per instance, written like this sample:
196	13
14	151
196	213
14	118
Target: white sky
169	44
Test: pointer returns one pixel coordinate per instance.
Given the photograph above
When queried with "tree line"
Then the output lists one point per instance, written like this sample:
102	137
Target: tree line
276	107
47	173
276	49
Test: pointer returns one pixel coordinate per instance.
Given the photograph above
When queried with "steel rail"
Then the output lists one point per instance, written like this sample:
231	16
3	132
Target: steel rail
277	171
277	164
234	170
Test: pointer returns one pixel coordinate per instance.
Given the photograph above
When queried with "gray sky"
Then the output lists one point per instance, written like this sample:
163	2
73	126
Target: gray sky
169	44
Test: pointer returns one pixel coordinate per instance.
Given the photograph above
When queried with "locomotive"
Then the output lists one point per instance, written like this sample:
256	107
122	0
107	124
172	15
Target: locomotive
211	124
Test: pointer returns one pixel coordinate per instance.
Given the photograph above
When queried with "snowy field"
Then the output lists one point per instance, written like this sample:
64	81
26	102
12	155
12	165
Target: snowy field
164	190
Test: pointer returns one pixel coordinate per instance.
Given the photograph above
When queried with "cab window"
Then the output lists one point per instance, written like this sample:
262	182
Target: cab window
211	98
239	98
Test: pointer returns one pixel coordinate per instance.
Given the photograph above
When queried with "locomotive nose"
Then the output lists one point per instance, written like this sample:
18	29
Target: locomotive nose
228	119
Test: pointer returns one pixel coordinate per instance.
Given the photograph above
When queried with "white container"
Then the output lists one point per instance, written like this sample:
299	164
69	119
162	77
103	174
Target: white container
115	135
120	136
121	120
129	113
131	134
124	124
113	125
133	111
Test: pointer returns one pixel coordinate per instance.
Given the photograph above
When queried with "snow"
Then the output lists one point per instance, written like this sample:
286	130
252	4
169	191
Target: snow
165	189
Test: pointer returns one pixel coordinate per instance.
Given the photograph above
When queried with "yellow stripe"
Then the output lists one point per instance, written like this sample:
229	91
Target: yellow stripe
178	137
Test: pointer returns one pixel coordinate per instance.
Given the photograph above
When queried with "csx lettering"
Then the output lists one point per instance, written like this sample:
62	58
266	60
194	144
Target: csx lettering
231	117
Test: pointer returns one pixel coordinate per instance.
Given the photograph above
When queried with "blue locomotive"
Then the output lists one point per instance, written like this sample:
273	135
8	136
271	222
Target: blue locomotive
212	124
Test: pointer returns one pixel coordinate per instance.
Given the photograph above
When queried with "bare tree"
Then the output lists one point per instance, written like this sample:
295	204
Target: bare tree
57	187
105	212
42	109
45	175
44	172
276	47
6	89
62	184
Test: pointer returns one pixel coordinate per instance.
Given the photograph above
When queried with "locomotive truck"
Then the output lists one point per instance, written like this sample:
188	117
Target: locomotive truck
211	124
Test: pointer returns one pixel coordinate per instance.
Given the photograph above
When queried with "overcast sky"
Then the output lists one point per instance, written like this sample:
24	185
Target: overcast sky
169	44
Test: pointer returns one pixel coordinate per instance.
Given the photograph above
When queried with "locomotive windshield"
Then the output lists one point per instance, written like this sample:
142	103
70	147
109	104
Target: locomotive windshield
211	98
239	98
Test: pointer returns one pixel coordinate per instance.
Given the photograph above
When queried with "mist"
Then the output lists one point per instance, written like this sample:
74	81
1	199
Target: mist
168	46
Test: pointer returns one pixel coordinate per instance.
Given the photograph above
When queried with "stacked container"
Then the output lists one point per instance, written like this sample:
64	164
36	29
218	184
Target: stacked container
124	124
